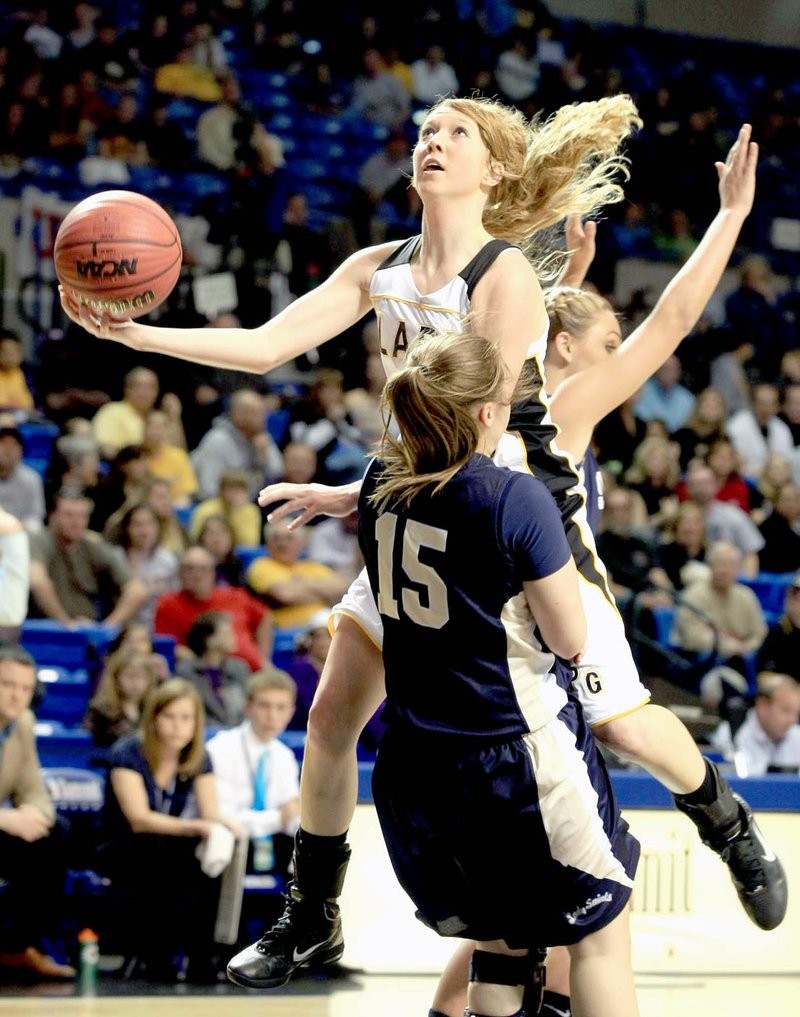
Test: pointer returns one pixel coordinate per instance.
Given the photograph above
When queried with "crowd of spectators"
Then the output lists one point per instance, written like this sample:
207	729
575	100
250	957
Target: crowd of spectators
146	519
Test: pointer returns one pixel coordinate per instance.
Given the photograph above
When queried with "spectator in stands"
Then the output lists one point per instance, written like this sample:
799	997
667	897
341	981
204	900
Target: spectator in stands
777	473
674	240
781	533
123	486
170	147
664	398
238	440
32	856
124	135
115	709
790	410
170	462
41	37
118	424
724	462
320	419
618	435
781	649
721	613
309	254
218	676
378	95
108	56
177	612
173	535
83	34
180	77
364	403
682	558
74	465
517	71
628	556
14	570
140	548
156	43
299	463
758	432
234	506
229	136
14	391
21	489
705	425
654	476
78	578
753	316
258	779
161	803
728	375
311	652
138	637
432	77
724	521
334	542
207	50
769	739
295	588
217	536
385	172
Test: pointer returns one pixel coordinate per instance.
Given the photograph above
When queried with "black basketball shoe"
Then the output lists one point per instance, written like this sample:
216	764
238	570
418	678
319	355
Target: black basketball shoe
728	827
308	932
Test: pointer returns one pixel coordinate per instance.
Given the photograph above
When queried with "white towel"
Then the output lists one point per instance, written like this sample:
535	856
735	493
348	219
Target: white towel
216	851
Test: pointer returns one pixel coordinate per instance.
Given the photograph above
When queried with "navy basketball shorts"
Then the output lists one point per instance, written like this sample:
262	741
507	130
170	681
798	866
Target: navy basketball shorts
520	841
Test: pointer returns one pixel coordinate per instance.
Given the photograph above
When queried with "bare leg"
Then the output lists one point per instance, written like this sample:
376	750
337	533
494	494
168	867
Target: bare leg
601	976
350	691
657	740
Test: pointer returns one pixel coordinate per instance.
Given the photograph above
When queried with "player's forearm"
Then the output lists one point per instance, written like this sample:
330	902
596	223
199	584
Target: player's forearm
238	349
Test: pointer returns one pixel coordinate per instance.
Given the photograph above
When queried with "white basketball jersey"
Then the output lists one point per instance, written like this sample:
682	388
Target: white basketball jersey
404	313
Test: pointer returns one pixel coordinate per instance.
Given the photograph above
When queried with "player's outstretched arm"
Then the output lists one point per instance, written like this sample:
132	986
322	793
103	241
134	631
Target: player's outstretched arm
584	399
309	500
313	319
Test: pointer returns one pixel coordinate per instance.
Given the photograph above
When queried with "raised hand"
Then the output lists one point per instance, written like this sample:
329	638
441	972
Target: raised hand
737	175
580	239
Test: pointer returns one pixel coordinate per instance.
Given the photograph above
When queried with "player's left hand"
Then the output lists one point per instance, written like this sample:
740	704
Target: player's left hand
737	175
580	238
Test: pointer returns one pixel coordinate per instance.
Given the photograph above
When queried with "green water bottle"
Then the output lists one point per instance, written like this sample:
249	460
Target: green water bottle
89	958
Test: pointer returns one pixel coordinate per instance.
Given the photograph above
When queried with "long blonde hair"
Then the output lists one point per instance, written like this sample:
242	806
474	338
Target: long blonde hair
572	310
432	400
565	165
158	699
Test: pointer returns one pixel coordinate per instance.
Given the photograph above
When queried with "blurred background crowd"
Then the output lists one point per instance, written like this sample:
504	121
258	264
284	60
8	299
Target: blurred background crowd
279	133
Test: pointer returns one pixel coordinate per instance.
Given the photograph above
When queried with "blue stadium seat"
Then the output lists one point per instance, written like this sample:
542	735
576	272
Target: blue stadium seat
309	169
284	646
664	618
58	746
204	185
38	438
50	642
770	588
66	695
296	741
247	555
183	513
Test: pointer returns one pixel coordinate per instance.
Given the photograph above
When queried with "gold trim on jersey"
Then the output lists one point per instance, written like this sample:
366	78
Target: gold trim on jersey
358	621
625	713
417	303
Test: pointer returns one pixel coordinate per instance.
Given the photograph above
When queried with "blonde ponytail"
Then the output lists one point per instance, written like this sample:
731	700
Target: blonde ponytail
432	400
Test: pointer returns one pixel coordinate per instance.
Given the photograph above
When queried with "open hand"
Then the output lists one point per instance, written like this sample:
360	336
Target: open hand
309	500
99	323
737	175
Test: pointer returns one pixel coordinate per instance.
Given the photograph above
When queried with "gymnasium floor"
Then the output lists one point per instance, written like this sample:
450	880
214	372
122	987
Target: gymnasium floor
386	996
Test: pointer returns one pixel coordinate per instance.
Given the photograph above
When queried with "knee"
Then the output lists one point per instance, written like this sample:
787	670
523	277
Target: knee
627	736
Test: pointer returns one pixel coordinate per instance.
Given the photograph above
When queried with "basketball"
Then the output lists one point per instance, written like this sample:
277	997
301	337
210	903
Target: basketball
119	252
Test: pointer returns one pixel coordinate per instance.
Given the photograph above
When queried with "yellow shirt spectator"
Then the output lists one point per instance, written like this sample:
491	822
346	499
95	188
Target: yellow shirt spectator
173	464
244	520
14	391
266	574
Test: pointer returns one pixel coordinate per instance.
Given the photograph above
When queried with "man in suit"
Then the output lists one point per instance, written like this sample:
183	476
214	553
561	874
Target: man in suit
31	842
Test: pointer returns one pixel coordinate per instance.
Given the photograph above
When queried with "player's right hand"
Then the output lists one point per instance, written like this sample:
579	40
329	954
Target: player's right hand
97	323
309	500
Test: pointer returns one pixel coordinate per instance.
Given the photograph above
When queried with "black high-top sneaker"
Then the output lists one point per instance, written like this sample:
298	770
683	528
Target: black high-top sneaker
310	929
728	827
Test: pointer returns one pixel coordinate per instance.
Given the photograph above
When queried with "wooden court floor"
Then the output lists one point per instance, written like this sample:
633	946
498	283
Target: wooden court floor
402	996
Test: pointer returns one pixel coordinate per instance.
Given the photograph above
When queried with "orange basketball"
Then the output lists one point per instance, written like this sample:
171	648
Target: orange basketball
118	251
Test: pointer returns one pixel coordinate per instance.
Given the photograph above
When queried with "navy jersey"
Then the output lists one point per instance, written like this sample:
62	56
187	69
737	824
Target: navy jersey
461	649
593	482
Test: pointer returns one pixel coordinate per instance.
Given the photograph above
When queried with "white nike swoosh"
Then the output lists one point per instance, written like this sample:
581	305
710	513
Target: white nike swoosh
561	1013
766	852
298	958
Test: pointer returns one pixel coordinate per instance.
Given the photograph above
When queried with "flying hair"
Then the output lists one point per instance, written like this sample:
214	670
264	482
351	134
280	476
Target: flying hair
432	400
568	164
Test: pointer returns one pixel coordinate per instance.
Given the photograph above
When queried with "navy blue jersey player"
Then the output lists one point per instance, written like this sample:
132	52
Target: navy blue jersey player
496	808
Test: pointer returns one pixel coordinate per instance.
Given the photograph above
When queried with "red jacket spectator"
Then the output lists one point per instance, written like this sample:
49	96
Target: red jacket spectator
176	612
